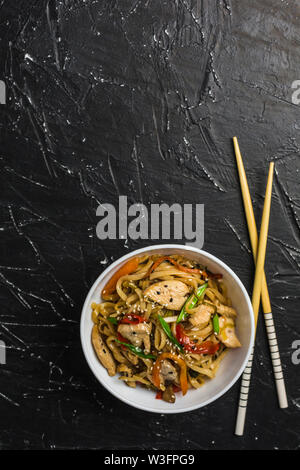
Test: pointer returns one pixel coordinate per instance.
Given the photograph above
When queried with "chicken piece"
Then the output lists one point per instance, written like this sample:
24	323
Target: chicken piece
168	372
102	351
228	337
223	321
170	294
227	333
202	315
226	311
137	334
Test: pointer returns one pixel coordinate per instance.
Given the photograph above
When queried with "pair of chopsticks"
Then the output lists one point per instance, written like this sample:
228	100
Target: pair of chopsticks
260	290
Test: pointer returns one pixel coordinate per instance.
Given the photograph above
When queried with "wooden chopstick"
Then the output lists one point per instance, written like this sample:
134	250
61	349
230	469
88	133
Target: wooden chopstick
259	271
265	298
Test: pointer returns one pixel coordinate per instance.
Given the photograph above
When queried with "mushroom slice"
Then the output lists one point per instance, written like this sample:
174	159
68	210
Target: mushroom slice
170	294
102	351
202	315
137	334
169	395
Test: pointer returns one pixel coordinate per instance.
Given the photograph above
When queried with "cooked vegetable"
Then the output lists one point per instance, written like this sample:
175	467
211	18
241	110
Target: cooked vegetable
216	324
169	334
113	320
179	361
171	319
133	319
191	302
137	334
208	347
168	395
127	268
121	340
136	350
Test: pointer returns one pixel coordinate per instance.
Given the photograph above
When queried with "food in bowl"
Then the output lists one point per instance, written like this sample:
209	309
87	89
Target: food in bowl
165	323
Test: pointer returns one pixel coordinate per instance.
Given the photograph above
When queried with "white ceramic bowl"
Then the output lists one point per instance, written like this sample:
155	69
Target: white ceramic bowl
231	366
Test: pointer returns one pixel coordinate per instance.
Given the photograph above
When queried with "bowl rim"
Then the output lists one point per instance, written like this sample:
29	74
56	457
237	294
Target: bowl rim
135	253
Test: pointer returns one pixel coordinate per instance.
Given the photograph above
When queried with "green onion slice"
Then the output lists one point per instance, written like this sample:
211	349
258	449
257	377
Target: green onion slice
136	350
216	323
169	334
192	301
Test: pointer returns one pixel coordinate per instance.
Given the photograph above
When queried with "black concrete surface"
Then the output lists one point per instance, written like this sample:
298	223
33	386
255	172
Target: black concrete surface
139	98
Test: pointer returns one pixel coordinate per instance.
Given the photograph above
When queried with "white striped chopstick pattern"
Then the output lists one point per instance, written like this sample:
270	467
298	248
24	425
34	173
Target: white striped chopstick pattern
268	317
276	361
256	294
243	401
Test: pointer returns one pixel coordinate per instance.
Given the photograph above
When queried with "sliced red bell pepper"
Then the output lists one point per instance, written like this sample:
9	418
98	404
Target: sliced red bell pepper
132	319
208	347
121	338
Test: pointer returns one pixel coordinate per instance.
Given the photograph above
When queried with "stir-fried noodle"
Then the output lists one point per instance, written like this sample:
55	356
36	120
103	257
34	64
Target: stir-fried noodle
165	323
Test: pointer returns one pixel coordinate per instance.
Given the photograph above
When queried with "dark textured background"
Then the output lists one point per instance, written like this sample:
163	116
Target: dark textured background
139	98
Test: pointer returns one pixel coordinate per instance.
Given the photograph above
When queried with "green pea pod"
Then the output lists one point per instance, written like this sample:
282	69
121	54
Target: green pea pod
169	334
192	301
136	350
216	323
113	320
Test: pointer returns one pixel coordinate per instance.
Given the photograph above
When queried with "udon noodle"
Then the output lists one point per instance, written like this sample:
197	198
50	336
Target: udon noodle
165	323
